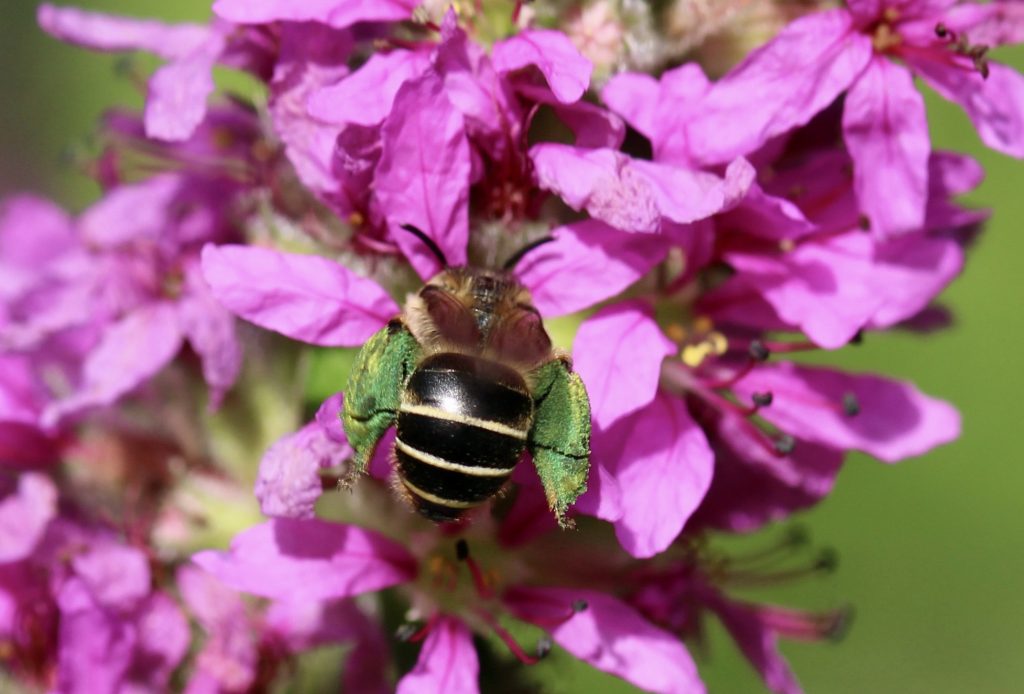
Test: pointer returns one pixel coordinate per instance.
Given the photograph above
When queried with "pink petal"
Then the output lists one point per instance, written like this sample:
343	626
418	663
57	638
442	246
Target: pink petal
305	297
116	577
995	104
587	263
211	602
328	560
611	636
565	69
112	33
134	212
129	353
618	354
634	96
952	173
329	418
915	269
210	329
25	514
163	640
33	231
992	24
790	79
96	646
176	101
336	13
895	420
658	454
423	174
366	96
447	662
886	131
288	483
603	498
592	126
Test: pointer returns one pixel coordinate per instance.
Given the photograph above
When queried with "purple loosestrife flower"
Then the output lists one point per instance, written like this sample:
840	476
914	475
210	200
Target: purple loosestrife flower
819	57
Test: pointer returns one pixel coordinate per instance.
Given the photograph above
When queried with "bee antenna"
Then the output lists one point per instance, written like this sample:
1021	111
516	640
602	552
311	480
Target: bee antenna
428	242
518	255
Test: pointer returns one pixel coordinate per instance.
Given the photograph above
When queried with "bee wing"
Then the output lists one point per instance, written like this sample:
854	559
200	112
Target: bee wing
519	336
453	320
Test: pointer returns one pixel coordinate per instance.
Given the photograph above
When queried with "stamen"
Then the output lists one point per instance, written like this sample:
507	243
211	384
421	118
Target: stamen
408	633
851	406
544	646
759	351
509	640
785	444
575	608
762	399
479	581
825	563
807	626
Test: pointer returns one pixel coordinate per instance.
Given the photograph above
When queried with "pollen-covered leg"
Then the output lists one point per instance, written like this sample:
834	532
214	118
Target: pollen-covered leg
560	439
375	389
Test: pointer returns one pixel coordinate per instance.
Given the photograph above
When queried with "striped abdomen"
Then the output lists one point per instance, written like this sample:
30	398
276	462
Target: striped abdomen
462	426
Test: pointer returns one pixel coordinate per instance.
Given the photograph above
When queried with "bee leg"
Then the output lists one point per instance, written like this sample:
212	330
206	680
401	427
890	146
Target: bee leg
374	390
560	438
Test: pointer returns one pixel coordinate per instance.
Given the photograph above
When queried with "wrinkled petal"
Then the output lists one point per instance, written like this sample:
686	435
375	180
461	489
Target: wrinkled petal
886	131
336	13
366	96
790	79
565	69
611	636
894	420
129	353
447	662
210	329
587	263
328	560
423	174
305	297
618	355
288	483
658	454
24	515
995	104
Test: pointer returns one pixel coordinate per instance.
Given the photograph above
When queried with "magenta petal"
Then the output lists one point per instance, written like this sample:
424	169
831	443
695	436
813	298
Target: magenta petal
33	231
634	96
111	33
790	79
611	636
618	354
916	269
163	640
992	23
886	131
892	419
587	263
176	102
995	104
336	13
133	212
603	498
328	560
365	97
130	352
210	329
305	297
116	577
25	514
566	71
658	454
423	174
447	662
288	483
96	646
329	418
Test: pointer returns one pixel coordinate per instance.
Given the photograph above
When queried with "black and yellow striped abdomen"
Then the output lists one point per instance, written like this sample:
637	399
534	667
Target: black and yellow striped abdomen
462	425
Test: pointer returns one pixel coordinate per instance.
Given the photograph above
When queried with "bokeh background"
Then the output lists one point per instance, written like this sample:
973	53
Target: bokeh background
931	550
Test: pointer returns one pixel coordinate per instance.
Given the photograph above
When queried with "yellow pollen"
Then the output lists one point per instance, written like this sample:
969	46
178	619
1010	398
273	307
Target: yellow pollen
885	38
356	219
702	324
717	342
676	332
787	245
694	355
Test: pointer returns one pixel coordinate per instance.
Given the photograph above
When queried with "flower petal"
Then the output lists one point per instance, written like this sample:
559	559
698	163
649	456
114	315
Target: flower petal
994	104
129	353
611	636
587	263
336	13
790	79
423	174
661	460
447	662
176	100
112	33
565	69
892	421
328	560
305	297
163	640
618	354
886	131
25	514
210	329
33	231
366	96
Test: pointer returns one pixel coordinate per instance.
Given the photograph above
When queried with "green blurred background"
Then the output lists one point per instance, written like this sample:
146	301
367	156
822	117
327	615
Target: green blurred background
931	550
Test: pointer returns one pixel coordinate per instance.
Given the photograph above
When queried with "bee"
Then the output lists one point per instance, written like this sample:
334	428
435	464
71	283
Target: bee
468	376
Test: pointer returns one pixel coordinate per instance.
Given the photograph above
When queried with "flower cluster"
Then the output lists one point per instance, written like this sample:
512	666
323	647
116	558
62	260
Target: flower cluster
153	346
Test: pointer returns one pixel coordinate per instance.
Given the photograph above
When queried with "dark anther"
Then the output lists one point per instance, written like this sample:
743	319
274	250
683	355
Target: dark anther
762	399
544	646
839	626
828	560
858	338
758	351
579	605
798	535
941	30
462	550
851	406
406	632
864	222
785	444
